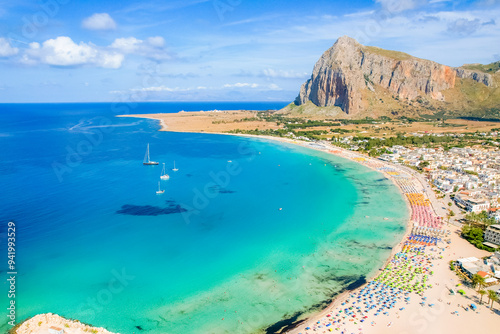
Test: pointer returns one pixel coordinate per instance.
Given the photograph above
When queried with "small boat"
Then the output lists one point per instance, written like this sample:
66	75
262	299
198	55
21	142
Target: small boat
147	161
159	191
175	169
164	176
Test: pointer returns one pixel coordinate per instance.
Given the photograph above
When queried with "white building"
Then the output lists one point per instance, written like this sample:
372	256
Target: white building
470	204
56	330
492	234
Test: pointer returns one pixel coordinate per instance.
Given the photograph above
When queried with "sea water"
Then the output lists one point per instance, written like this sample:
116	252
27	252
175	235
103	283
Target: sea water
248	233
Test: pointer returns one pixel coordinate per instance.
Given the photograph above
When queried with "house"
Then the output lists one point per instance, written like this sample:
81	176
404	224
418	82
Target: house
56	330
486	269
472	204
492	235
495	214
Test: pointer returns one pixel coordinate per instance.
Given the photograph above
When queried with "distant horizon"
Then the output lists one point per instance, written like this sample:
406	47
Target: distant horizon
187	101
218	50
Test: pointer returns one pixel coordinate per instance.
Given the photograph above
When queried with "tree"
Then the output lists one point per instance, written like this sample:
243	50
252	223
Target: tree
493	297
450	204
482	293
423	164
478	280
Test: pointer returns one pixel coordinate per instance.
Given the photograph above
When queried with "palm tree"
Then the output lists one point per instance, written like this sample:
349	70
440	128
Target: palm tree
482	293
492	295
478	280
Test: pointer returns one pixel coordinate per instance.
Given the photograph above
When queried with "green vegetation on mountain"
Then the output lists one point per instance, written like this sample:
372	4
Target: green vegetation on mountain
490	68
397	55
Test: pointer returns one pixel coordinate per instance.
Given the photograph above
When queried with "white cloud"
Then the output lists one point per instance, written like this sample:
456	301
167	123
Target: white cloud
62	51
6	50
156	41
152	47
489	2
162	88
271	73
159	89
127	45
397	6
241	85
464	26
360	14
274	87
99	21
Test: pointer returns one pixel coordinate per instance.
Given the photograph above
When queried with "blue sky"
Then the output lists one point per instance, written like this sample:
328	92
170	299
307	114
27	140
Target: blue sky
222	50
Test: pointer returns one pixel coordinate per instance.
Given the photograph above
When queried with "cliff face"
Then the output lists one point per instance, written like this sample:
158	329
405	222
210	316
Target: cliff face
345	74
484	78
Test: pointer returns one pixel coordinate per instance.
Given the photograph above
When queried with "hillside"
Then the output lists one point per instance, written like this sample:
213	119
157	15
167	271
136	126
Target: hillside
353	80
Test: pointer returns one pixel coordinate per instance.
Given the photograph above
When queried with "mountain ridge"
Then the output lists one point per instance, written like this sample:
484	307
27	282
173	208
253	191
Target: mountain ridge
365	80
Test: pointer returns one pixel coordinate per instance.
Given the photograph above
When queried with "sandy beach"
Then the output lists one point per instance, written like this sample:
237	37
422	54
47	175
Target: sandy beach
433	311
429	309
411	292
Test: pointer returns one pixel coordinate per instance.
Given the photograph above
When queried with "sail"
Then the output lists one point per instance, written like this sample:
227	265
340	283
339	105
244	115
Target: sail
146	156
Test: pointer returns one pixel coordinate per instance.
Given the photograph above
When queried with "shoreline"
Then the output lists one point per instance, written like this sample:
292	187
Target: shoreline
438	318
338	299
434	312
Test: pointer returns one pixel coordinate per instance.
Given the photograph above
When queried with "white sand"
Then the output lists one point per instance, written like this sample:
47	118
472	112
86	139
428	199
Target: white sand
414	319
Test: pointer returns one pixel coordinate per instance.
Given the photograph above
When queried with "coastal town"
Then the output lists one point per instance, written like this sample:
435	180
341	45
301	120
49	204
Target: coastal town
310	167
446	270
445	273
435	264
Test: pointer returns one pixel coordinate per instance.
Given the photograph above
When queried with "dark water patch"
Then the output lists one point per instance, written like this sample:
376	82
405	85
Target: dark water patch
385	247
285	325
219	190
149	210
353	242
139	327
365	191
189	175
8	169
259	276
291	322
356	284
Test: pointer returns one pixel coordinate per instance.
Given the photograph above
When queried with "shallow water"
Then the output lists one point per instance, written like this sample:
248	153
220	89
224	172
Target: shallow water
231	247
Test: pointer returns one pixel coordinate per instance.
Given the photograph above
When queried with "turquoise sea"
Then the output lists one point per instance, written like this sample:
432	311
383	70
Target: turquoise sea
249	234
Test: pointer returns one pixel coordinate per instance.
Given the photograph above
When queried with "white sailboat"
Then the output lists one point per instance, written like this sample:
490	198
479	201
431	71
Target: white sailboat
164	176
159	191
175	169
147	160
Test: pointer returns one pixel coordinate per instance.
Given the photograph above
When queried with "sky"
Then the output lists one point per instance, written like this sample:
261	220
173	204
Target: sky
217	50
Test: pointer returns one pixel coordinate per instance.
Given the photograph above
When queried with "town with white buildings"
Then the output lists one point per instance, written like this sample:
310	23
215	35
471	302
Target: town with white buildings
469	176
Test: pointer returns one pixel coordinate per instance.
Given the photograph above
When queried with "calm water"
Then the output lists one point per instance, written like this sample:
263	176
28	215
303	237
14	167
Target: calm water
230	247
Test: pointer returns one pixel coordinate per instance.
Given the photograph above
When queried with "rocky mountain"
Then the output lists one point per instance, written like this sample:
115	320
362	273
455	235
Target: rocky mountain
364	79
